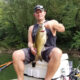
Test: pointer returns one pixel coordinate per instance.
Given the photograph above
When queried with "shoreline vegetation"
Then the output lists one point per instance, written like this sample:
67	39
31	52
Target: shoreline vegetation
71	52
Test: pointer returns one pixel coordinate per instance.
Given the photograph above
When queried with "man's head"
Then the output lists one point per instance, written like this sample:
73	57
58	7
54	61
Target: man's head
39	12
38	7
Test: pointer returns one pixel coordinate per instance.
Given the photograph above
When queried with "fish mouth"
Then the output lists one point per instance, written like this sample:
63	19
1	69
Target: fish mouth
42	31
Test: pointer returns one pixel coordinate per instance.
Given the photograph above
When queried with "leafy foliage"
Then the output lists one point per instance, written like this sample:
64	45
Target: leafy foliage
17	15
76	40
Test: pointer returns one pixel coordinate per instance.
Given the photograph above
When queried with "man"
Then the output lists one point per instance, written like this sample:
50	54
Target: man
52	54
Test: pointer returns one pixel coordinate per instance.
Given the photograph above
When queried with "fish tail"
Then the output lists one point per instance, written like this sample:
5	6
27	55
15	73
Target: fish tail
34	62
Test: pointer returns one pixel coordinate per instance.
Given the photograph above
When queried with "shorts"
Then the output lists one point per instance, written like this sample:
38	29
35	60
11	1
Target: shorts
29	57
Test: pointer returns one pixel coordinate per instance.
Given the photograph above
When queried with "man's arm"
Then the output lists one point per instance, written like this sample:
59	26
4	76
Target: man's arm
53	24
30	42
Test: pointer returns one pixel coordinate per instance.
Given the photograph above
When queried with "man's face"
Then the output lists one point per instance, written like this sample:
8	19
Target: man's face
39	15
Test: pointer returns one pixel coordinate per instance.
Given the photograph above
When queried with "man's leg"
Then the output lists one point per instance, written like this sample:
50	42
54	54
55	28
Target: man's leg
18	58
54	62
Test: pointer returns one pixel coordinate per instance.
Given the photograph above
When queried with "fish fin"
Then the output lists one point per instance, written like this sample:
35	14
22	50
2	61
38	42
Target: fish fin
40	58
43	48
36	58
34	45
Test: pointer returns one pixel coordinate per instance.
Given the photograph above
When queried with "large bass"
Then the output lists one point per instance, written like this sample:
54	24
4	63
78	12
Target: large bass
40	41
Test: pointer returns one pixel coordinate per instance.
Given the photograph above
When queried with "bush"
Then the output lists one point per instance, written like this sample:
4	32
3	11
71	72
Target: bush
76	40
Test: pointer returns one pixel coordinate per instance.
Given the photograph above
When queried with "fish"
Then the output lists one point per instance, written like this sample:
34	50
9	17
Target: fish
40	40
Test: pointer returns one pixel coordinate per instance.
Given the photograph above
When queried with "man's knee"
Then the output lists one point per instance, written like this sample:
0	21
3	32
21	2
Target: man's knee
56	53
18	55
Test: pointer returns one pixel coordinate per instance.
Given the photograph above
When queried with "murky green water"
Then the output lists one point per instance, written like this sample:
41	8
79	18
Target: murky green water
7	73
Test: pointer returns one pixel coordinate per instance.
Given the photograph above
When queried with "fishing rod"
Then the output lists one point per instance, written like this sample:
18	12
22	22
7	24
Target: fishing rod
74	75
3	66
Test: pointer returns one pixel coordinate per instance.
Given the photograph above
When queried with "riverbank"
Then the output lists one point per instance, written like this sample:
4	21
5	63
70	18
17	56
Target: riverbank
73	52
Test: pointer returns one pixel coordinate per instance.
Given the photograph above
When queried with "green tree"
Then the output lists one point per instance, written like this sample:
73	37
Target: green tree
17	15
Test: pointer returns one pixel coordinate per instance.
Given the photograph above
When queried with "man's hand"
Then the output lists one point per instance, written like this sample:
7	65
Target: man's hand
55	25
33	50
